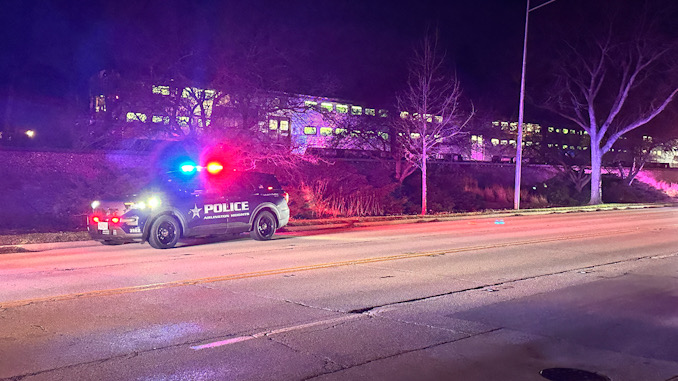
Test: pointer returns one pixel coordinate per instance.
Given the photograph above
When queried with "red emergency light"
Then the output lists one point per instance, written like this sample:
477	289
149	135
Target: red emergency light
214	167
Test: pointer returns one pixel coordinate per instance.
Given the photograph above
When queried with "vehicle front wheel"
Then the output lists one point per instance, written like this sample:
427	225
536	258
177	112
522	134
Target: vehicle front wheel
165	232
264	226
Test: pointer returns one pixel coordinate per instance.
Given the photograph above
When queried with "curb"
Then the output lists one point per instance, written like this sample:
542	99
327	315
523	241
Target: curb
313	225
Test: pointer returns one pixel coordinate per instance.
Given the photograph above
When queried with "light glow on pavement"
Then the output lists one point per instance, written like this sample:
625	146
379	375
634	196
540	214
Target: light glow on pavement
287	270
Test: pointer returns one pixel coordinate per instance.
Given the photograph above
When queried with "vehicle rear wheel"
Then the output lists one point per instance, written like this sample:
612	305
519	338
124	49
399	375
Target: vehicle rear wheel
264	226
165	232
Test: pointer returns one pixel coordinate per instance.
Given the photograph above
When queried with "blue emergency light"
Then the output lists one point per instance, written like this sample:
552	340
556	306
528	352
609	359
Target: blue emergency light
188	168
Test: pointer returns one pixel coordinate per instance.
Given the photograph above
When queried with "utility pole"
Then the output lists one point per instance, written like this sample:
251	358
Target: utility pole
521	109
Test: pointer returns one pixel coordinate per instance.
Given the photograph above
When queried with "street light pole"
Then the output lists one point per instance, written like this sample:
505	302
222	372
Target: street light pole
519	140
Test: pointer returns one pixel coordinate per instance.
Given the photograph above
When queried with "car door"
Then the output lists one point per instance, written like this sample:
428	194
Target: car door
238	200
208	213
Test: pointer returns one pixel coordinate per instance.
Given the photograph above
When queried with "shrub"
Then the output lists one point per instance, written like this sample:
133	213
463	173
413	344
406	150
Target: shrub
559	191
446	191
340	190
616	190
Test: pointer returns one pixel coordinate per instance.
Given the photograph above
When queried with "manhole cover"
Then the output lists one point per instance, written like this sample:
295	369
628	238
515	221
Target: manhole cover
570	374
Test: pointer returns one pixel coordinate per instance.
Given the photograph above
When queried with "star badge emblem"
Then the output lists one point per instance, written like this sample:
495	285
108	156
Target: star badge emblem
195	211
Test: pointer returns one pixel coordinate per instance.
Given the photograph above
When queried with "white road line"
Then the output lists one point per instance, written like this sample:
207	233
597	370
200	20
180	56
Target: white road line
223	342
239	339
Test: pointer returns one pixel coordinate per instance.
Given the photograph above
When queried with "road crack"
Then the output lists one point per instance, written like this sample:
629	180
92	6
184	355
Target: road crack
403	353
329	365
122	356
496	285
377	315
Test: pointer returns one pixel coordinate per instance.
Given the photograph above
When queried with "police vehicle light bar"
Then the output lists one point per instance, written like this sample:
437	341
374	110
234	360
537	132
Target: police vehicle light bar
188	168
214	167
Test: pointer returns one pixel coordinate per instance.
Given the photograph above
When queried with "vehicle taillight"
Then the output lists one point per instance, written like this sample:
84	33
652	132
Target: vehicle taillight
95	219
115	220
287	196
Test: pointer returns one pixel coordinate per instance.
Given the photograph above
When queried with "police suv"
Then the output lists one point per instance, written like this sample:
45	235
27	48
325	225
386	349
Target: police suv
243	202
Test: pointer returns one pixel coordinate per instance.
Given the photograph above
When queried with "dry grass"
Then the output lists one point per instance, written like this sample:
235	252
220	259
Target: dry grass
669	188
500	196
323	203
23	239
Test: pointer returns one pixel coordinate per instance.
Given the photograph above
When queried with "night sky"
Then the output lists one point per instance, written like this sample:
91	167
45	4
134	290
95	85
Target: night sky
356	50
361	47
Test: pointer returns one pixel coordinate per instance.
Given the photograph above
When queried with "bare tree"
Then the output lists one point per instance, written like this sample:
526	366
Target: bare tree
372	135
431	113
611	88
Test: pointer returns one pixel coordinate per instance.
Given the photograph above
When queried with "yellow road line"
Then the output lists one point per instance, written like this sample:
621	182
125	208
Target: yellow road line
287	270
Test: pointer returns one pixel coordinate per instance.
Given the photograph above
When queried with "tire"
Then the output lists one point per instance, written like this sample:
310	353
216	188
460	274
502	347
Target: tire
165	232
264	226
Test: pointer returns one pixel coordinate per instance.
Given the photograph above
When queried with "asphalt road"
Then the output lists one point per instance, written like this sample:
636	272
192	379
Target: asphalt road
472	299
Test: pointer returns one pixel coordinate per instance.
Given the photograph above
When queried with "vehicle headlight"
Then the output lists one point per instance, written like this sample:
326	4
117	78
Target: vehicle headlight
154	202
150	202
